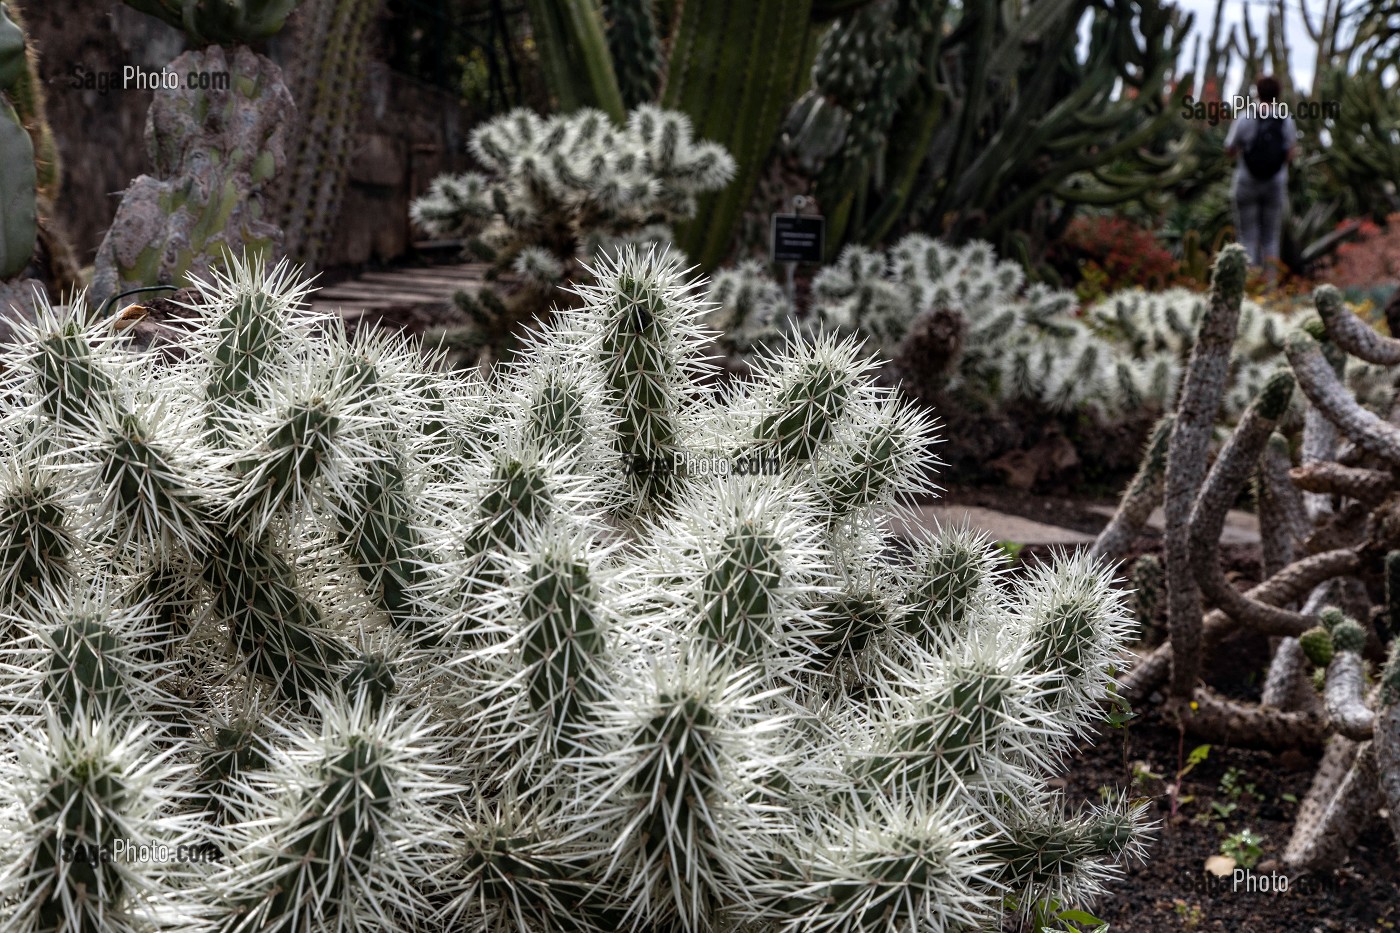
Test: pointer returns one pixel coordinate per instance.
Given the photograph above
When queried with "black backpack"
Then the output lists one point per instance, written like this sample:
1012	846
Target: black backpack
1264	154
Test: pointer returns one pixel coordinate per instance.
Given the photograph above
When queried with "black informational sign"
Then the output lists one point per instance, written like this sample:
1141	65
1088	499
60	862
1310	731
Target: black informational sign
798	237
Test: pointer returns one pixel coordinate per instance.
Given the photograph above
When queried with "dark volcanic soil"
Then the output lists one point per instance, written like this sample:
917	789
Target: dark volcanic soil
1172	892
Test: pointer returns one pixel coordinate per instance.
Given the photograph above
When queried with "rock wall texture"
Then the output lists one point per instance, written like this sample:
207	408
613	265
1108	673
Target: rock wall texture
407	132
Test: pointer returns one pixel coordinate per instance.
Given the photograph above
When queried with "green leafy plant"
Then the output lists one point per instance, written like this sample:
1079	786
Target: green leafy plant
1245	847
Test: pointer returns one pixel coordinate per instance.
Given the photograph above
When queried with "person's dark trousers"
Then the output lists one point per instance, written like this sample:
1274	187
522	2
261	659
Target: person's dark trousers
1259	217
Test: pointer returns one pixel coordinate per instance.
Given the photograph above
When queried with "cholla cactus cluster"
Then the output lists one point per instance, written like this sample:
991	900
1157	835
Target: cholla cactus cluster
561	192
558	190
1033	343
354	643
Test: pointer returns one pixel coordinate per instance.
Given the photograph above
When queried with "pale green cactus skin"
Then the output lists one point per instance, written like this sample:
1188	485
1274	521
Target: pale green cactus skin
209	194
416	651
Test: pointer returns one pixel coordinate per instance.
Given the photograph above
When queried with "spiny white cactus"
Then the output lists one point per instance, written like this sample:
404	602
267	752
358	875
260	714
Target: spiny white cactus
598	644
557	183
1029	342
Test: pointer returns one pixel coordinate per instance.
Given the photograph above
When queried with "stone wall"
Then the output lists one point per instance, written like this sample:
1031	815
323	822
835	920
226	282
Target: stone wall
408	132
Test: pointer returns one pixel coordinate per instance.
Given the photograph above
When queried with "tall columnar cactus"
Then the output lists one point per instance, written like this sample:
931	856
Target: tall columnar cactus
18	175
326	79
574	55
561	191
636	49
732	70
595	645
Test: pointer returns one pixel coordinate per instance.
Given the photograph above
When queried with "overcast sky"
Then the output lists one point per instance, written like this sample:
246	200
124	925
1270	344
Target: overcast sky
1301	48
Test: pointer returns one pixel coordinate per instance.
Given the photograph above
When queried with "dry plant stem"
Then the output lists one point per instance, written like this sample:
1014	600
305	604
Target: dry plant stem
1202	387
1333	479
1288	686
1341	801
1387	745
1351	333
1232	468
1143	495
1319	382
1211	716
1283	523
1345	697
1292	583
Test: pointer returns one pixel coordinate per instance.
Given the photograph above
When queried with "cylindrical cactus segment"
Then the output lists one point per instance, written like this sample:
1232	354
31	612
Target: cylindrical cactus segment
950	573
563	633
807	410
275	626
1317	646
36	541
87	668
377	528
73	383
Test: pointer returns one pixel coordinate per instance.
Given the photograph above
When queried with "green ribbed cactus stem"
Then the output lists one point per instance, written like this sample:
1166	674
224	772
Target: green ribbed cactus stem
564	632
232	22
234	752
84	789
516	498
19	178
1033	853
949	573
635	48
371	677
1348	635
806	412
1317	646
251	336
327	82
738	590
574	56
853	618
732	68
378	530
36	542
85	669
74	384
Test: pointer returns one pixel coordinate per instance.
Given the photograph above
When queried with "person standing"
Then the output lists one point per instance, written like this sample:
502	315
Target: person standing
1263	140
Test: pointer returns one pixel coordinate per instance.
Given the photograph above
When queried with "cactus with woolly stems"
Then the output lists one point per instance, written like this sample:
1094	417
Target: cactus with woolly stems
434	654
559	193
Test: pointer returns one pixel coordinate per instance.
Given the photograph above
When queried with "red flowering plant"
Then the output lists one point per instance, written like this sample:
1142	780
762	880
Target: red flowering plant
1370	259
1104	253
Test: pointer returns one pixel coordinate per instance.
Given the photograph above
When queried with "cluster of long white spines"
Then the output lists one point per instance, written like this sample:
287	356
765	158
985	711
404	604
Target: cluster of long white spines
600	184
416	652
